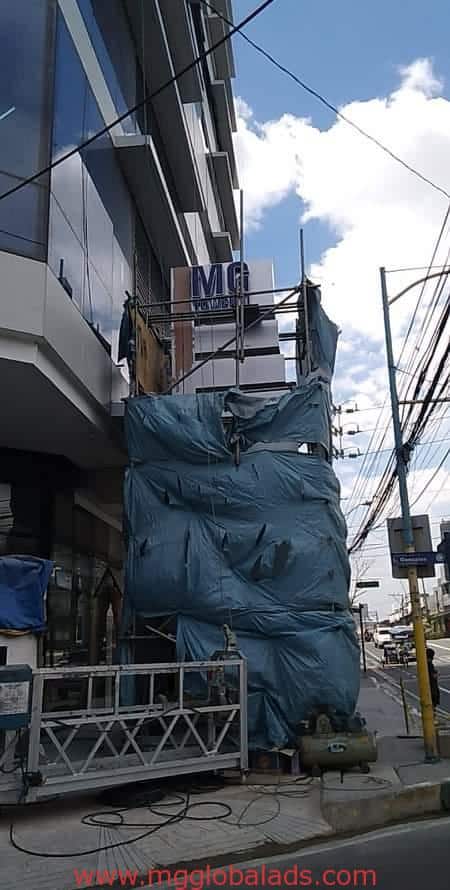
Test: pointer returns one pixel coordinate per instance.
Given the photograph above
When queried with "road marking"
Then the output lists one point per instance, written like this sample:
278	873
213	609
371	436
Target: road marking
317	850
409	673
442	711
440	646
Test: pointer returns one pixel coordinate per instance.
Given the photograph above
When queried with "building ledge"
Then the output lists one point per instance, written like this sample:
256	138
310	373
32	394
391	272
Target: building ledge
222	246
139	160
223	55
181	41
167	107
231	105
224	126
219	167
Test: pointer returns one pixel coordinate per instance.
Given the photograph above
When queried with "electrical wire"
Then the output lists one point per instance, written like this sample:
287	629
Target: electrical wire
102	819
115	819
235	29
417	366
437	470
329	105
277	791
419	445
424	412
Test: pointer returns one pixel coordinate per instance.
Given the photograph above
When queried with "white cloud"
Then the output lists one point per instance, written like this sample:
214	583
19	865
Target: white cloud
420	76
377	213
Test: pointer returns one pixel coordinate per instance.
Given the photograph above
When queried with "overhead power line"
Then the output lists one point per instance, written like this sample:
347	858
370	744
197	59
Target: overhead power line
419	445
437	470
235	29
329	105
424	406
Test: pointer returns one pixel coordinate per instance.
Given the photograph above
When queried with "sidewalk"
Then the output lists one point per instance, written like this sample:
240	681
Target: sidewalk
400	785
263	819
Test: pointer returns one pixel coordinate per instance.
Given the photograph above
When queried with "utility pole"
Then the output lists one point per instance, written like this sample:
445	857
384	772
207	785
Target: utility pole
429	729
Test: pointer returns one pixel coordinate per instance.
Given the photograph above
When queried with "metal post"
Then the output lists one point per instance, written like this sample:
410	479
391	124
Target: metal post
35	723
305	303
405	706
109	654
243	716
429	729
363	642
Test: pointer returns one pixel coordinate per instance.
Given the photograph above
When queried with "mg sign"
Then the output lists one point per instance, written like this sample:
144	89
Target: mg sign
215	287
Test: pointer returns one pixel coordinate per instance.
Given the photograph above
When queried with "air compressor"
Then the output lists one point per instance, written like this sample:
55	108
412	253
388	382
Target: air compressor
328	743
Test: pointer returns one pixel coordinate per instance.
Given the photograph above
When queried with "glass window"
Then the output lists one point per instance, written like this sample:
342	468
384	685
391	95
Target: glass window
21	518
65	245
91	226
26	31
94	227
111	38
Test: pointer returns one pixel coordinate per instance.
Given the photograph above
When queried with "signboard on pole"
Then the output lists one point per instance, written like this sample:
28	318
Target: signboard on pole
423	559
413	559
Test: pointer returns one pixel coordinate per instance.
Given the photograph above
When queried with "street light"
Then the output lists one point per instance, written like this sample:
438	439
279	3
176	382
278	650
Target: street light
429	728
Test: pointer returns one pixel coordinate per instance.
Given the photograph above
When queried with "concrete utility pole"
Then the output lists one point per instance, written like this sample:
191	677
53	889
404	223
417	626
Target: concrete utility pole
426	705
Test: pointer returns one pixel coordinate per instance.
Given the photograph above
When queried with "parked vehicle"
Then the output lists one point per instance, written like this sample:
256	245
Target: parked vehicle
382	635
401	633
391	654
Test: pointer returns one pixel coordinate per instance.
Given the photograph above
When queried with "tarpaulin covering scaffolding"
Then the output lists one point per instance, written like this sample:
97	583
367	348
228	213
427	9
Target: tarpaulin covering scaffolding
260	546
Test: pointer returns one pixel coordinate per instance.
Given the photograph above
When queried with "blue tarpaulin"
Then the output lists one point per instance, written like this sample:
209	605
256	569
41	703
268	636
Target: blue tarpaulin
23	581
260	546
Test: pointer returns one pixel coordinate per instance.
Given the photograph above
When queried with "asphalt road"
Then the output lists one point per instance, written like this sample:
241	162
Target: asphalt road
407	857
393	673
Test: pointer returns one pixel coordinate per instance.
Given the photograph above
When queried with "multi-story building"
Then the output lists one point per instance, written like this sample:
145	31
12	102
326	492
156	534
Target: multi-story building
153	192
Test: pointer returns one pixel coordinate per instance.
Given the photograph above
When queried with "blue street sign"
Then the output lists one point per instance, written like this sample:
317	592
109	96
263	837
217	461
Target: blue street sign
415	559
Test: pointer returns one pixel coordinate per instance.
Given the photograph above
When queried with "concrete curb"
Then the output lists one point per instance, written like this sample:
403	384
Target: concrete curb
363	813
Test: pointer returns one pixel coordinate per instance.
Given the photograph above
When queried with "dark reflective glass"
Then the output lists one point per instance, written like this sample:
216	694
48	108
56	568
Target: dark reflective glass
26	31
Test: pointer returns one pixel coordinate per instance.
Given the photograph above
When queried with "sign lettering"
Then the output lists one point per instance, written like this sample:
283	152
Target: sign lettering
217	287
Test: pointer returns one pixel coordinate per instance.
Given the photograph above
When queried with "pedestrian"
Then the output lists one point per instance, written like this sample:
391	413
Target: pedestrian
433	674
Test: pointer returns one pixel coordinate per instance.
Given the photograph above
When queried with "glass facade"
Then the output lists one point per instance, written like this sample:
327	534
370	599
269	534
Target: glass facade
113	44
91	232
97	243
83	221
26	34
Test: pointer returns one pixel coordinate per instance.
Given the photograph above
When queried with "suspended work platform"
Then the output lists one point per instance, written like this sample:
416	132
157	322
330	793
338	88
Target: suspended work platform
84	734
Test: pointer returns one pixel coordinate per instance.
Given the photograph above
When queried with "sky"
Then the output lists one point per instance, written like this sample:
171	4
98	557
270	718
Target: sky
386	66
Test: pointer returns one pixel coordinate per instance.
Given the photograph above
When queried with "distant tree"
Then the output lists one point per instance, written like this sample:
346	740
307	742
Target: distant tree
360	567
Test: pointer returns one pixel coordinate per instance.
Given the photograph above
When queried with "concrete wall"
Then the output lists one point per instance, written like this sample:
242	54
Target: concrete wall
35	307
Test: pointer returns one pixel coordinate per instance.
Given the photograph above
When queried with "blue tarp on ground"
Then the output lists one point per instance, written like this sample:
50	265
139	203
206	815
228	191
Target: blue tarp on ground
23	581
260	546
